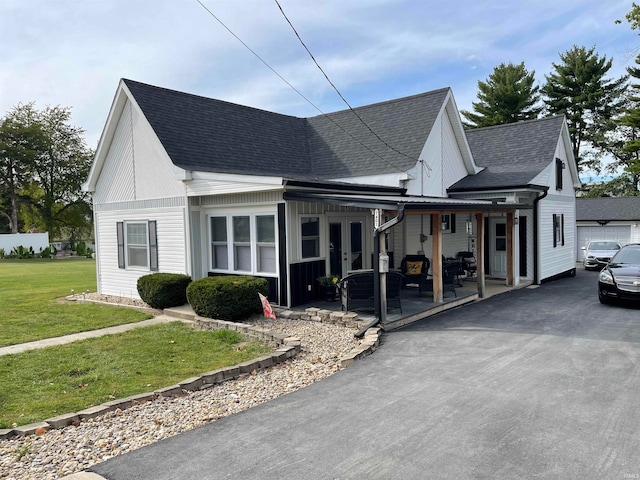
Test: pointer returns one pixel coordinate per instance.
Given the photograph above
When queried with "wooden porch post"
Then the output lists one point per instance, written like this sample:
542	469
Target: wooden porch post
480	254
436	264
510	249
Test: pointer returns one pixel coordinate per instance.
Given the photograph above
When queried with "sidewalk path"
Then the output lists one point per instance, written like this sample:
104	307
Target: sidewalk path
50	342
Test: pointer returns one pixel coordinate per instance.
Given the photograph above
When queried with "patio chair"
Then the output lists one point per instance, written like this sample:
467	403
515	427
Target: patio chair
414	268
448	281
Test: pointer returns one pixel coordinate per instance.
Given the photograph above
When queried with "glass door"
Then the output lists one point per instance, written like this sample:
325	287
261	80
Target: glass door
346	245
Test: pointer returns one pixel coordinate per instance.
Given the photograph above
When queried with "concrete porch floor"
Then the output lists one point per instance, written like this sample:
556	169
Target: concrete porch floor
415	307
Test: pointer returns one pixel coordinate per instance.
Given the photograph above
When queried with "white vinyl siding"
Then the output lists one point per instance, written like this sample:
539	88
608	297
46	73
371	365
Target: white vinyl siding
136	166
170	235
561	258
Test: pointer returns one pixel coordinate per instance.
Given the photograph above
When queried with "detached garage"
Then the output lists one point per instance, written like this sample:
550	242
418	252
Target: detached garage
614	219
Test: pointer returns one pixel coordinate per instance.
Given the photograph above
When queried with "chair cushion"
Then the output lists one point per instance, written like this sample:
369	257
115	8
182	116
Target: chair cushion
414	268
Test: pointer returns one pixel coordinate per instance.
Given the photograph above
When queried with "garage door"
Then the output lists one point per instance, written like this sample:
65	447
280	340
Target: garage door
620	234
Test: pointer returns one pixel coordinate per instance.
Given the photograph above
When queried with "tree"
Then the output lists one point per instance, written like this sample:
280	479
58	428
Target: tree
578	88
508	95
48	160
21	137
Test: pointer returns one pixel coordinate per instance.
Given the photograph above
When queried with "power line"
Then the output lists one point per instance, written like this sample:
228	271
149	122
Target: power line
336	88
302	95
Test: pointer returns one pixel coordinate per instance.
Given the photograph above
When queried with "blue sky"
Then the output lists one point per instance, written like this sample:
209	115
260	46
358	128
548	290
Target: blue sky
73	52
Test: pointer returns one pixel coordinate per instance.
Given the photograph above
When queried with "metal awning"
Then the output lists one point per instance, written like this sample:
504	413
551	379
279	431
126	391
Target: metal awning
411	204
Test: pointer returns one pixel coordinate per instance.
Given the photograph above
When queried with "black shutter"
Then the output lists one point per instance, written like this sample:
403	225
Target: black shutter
153	246
430	225
452	222
555	236
562	227
120	236
558	174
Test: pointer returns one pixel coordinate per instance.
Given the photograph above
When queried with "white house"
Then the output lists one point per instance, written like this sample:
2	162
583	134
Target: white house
187	184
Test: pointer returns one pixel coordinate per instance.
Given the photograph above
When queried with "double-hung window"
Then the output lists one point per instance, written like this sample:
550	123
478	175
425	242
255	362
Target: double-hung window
243	243
137	245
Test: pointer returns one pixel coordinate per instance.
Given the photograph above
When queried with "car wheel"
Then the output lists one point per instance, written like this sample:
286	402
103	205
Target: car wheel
604	299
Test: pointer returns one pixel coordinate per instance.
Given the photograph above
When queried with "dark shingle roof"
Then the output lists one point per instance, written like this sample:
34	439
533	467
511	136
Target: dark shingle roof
210	135
608	208
513	154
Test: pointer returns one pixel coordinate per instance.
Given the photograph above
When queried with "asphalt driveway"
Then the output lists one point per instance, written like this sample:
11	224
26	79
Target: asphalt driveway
535	383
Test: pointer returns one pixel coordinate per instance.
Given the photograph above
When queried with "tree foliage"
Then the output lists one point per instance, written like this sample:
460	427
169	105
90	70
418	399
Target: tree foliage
21	138
508	95
45	160
579	89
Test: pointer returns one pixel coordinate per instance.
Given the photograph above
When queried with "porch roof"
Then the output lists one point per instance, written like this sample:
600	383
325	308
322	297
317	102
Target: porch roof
410	203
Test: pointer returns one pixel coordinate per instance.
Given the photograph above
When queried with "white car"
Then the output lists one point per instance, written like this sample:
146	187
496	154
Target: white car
597	254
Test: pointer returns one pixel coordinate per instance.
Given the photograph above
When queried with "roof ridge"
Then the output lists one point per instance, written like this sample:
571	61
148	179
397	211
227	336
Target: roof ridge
510	124
209	99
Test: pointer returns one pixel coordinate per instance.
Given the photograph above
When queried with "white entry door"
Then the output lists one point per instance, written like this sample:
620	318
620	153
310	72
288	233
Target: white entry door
498	239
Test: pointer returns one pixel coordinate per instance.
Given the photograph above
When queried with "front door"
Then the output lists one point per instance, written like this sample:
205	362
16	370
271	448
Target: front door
346	245
498	250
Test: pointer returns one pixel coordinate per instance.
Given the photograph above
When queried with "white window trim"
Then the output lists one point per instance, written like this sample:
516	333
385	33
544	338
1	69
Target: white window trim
127	264
252	213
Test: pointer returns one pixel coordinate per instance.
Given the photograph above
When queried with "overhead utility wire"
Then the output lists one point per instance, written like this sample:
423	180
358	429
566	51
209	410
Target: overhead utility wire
336	88
294	88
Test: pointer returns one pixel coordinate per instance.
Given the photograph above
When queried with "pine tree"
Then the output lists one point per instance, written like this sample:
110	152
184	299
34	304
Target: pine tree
578	88
508	95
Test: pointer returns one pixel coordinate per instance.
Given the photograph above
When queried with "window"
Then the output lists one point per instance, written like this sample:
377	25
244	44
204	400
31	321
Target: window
243	243
448	223
559	169
558	230
137	245
219	249
310	236
266	228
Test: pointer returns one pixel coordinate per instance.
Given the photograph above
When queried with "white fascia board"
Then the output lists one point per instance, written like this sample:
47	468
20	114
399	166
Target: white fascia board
387	179
454	116
117	105
566	140
236	178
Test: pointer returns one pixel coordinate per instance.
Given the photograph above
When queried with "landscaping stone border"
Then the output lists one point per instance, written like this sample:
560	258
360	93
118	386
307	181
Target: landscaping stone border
286	347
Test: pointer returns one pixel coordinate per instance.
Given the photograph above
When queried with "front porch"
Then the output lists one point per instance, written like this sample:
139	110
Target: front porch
416	307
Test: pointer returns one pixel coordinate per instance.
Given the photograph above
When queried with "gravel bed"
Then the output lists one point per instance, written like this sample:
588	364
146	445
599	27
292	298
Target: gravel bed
68	450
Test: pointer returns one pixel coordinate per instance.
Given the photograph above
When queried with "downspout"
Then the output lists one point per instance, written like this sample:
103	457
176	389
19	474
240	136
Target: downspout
378	299
535	236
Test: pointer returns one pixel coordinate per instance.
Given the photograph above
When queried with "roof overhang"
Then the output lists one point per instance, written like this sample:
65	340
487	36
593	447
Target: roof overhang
411	204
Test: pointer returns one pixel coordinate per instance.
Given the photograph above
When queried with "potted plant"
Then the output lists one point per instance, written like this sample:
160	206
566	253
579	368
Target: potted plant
329	283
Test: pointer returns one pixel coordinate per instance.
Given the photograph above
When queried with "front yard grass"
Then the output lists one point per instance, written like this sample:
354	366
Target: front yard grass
40	384
29	309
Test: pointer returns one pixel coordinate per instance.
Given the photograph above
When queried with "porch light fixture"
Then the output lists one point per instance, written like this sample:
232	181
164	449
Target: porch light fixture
469	227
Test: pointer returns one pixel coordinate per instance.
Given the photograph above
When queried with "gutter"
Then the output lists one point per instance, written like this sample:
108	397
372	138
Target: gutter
536	279
379	288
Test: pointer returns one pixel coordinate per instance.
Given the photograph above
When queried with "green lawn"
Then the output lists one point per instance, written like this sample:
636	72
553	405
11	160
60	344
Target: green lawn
29	309
40	384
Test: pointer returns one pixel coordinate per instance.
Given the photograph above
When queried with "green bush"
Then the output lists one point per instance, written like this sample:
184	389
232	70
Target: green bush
21	252
164	290
81	249
232	297
2	253
46	253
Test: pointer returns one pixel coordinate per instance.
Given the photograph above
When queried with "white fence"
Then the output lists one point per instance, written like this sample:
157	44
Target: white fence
38	241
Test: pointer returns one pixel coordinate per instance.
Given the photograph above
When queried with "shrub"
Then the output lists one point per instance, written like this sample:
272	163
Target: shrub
21	252
46	253
2	253
232	297
164	290
81	249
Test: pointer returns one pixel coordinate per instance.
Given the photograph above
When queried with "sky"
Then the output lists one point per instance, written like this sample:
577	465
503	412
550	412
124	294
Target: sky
72	53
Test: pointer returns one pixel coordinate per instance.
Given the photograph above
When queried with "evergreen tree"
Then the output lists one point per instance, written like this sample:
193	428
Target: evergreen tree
578	88
508	95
